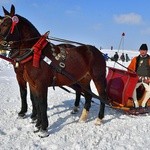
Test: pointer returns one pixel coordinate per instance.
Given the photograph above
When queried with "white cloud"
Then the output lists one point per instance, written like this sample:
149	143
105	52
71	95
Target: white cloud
145	31
130	18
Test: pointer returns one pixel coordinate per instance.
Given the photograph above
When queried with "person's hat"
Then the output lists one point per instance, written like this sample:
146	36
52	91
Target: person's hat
143	47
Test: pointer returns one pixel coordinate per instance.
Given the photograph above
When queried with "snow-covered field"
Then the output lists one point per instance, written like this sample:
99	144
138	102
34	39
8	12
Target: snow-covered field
118	131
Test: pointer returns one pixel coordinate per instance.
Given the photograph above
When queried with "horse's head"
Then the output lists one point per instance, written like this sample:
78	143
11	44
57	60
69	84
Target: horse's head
7	25
16	32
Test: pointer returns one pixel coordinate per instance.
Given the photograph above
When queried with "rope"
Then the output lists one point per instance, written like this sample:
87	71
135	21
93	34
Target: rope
65	89
90	92
64	40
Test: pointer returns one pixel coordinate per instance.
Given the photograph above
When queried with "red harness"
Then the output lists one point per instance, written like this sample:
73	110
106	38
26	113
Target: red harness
37	48
37	51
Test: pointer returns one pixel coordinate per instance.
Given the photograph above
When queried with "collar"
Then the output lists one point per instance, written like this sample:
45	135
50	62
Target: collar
143	56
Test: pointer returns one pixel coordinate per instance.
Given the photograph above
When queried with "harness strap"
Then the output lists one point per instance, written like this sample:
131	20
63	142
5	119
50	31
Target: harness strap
7	59
63	72
37	48
91	93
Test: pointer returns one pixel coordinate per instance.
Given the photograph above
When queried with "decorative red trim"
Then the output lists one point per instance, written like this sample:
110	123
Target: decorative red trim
26	60
38	47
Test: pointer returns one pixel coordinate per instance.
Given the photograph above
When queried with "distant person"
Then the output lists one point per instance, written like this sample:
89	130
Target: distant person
122	57
127	58
111	47
141	65
116	57
106	56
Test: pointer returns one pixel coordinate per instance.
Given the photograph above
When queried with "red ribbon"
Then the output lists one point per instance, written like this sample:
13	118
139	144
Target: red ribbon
15	20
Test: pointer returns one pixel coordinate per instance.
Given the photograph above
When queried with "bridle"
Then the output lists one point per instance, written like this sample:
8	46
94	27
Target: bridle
4	42
8	45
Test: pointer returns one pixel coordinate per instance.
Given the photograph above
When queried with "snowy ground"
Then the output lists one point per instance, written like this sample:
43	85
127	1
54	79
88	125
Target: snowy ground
118	131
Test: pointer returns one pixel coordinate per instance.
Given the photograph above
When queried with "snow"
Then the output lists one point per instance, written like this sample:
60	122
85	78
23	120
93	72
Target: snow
117	132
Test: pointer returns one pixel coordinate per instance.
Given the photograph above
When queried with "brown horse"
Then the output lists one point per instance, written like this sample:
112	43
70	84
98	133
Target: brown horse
23	84
67	67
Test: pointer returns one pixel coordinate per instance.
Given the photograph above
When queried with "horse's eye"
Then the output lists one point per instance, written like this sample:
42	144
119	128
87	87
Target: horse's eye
5	24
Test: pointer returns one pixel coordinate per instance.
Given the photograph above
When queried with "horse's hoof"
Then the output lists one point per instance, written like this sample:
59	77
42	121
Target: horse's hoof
33	119
98	121
33	116
84	115
21	115
36	129
82	121
43	133
75	110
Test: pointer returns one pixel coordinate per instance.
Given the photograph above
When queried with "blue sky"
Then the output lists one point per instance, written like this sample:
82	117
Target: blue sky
96	22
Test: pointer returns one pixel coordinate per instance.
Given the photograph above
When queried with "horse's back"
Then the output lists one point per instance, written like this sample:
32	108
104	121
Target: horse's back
85	54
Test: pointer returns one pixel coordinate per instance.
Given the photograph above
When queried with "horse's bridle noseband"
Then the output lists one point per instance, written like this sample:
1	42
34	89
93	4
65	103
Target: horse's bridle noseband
4	43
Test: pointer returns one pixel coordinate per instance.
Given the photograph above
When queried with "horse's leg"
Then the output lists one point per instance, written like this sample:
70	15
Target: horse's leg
100	114
100	83
87	105
34	110
76	103
23	90
23	95
40	97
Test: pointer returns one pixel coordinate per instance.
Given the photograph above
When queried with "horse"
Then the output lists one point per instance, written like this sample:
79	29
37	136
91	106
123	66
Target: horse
23	88
67	67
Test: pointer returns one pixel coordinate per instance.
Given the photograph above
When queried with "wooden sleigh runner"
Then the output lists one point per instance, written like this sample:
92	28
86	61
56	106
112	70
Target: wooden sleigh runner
120	86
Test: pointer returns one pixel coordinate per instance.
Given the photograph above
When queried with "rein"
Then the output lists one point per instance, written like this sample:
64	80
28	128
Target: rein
64	40
63	72
74	42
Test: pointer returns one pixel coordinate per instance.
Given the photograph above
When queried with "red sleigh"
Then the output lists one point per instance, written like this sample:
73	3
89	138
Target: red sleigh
120	86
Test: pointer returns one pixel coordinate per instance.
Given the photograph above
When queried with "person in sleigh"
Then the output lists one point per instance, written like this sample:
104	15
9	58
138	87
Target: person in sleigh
141	65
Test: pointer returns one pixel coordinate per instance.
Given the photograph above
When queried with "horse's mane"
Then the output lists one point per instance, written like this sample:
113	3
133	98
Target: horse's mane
30	25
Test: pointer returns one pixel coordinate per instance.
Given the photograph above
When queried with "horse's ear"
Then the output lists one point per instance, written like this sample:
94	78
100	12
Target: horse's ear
5	11
12	11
